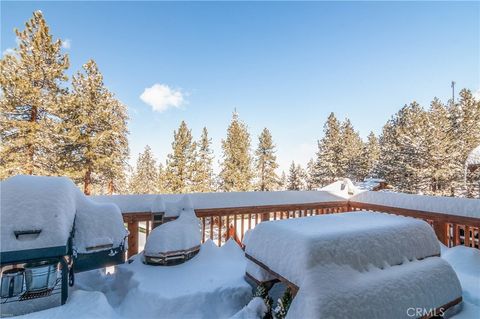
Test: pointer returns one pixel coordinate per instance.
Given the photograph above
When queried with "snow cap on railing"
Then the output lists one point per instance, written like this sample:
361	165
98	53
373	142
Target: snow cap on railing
158	205
175	208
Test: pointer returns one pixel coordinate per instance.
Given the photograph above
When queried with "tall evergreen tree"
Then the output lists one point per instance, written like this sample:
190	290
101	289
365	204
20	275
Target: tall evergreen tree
266	162
236	168
370	156
203	179
443	166
351	152
145	177
31	81
161	180
296	178
310	181
466	128
180	163
94	131
329	153
404	150
283	181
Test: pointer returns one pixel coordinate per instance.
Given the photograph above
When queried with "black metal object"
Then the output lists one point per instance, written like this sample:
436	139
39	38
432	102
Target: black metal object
27	232
172	258
99	259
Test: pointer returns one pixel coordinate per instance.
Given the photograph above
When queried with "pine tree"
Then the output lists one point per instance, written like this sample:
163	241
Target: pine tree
443	166
266	162
296	178
404	150
180	163
370	156
351	151
283	181
94	132
31	81
145	177
203	178
161	180
329	153
466	128
310	182
236	168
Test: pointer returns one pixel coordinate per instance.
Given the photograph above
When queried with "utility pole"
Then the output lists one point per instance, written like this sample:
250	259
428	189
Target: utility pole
453	92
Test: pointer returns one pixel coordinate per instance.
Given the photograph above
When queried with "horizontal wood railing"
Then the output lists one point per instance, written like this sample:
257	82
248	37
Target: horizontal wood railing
221	224
451	230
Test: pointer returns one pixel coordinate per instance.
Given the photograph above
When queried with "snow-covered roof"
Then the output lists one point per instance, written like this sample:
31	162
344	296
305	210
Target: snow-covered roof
49	206
343	188
144	203
474	157
467	207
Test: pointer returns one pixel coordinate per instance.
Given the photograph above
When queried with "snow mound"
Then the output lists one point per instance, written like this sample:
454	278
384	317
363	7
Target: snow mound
45	204
180	234
175	208
468	207
357	239
343	188
97	225
391	292
80	305
466	263
52	205
256	309
210	285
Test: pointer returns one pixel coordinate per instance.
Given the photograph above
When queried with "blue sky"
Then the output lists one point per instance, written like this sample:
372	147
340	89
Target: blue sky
282	65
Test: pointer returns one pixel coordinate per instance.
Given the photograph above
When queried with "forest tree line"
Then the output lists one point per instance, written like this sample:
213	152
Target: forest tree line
50	126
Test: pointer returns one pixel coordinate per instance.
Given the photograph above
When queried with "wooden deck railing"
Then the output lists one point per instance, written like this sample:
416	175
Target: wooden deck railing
220	224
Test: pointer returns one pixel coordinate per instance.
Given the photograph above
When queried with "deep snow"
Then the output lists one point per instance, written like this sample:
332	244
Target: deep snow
145	203
212	281
468	207
51	205
180	234
357	239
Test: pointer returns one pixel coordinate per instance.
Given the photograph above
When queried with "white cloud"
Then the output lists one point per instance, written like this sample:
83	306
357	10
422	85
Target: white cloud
162	97
66	44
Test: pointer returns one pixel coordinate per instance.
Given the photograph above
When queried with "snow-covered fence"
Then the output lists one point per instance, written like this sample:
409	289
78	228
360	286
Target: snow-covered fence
225	215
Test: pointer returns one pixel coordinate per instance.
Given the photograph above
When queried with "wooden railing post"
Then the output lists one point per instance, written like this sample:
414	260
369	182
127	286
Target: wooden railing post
441	231
132	238
265	217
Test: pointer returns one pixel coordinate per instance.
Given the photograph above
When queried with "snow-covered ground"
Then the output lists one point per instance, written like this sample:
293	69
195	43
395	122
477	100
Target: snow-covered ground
211	285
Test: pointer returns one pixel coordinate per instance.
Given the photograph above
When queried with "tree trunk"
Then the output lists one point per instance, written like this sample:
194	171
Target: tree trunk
87	181
31	148
110	187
